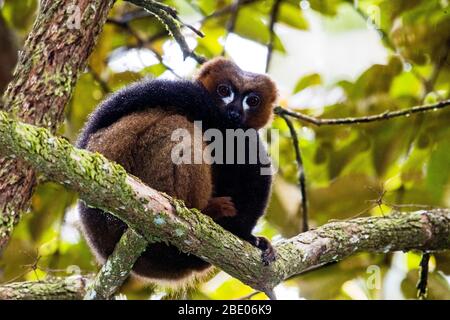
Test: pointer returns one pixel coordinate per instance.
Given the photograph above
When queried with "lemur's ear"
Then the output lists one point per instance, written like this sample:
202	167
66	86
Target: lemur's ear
216	65
216	71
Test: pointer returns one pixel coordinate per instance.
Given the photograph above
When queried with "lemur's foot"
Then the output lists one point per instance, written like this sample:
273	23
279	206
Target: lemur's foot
268	252
220	207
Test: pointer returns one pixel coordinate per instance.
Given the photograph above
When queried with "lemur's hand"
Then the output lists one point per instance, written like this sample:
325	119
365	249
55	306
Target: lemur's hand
220	207
268	254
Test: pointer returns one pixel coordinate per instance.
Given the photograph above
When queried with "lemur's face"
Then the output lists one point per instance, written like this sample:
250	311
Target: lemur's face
245	99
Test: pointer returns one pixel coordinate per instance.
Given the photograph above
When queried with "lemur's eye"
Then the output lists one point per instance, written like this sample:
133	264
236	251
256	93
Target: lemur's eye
251	101
223	90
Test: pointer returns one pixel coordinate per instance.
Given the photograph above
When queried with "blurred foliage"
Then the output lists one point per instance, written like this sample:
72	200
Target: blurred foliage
350	170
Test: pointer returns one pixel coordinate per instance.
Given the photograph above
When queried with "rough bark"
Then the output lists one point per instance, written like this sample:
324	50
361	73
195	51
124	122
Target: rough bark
116	269
157	217
69	288
53	56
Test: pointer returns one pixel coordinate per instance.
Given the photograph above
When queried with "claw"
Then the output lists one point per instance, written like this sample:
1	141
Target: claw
268	254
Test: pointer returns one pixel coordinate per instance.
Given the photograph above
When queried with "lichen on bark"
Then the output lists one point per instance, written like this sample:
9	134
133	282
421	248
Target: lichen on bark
117	267
68	288
42	84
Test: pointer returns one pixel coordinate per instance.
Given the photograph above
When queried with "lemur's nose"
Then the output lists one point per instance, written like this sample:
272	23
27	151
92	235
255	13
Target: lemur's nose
234	115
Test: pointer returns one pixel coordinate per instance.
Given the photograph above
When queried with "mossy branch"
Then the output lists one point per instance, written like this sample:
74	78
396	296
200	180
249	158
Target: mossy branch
68	288
118	266
158	217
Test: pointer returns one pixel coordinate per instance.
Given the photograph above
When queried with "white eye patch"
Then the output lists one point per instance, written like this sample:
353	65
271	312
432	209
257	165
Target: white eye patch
245	104
229	98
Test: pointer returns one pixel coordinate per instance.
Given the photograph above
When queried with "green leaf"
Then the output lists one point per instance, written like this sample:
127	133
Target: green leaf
210	45
250	25
347	18
207	6
118	80
326	7
292	16
406	84
49	203
154	70
377	79
438	287
87	95
438	171
307	81
20	13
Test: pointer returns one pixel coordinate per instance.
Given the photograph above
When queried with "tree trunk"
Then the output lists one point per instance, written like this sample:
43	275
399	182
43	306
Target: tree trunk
54	54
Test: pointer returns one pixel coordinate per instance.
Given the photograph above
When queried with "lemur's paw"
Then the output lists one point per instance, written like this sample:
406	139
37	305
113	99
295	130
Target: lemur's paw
268	254
220	207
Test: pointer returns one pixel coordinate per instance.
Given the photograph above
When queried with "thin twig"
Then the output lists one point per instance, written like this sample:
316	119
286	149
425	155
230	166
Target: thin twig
384	35
422	284
249	296
428	85
124	24
226	10
102	83
273	20
169	18
442	60
385	38
196	7
232	21
174	14
161	61
377	117
216	14
301	172
142	43
135	15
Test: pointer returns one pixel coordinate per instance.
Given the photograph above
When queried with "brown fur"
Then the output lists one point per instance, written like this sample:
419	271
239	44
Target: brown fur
149	134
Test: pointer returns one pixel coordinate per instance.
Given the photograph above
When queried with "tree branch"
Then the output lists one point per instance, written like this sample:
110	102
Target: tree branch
301	172
168	16
116	269
273	19
67	288
377	117
226	10
141	43
158	217
97	78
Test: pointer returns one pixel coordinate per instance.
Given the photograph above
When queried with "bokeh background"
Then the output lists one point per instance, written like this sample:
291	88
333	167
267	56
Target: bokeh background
331	58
